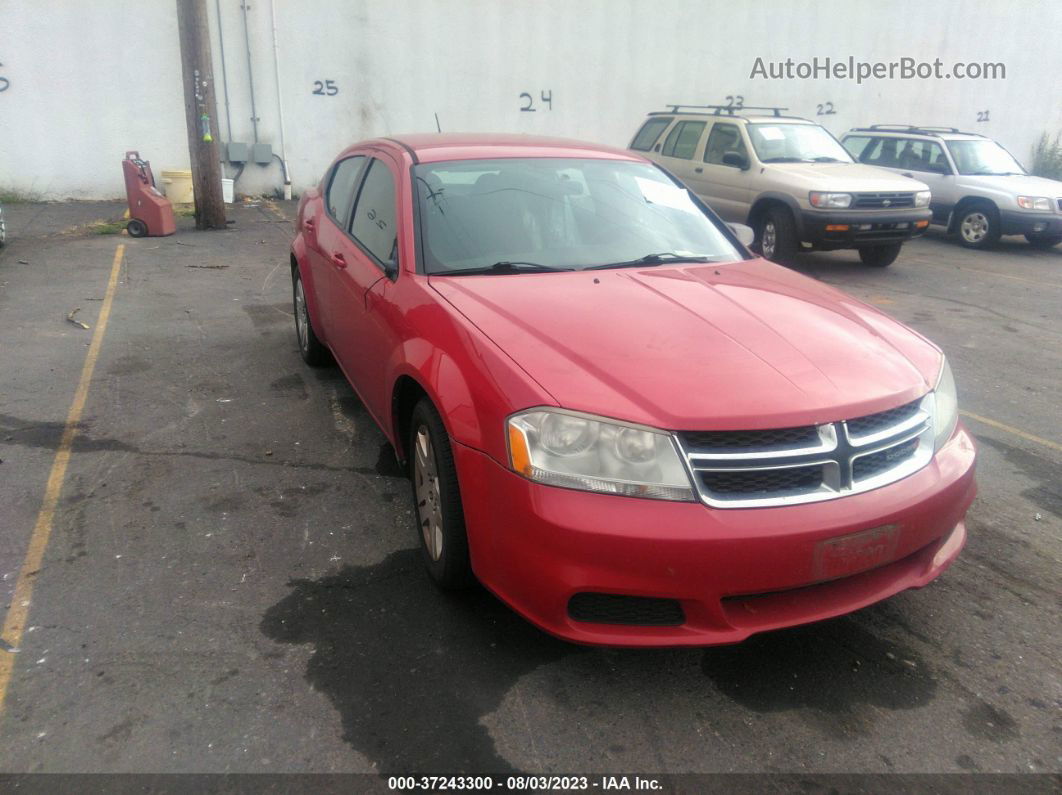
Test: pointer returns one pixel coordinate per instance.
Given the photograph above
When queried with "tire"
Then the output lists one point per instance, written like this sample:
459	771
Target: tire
437	500
776	238
978	226
880	256
310	348
136	228
1044	241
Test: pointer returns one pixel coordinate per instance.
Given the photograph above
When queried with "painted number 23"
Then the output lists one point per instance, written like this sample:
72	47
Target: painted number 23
325	88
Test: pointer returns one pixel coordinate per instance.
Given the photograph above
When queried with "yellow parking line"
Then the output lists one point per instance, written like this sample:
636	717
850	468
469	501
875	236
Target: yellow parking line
15	622
1011	429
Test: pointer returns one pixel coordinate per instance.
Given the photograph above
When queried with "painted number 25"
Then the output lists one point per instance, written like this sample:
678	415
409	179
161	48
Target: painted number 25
325	88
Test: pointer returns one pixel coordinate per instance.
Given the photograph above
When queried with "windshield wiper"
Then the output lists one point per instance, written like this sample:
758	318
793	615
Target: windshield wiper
997	174
504	266
651	259
826	159
782	160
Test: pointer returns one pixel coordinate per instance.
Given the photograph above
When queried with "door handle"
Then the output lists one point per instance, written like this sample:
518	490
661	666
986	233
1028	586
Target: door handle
907	174
338	260
699	170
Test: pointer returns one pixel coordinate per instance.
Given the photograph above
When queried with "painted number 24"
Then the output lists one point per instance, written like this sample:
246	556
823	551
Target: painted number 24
529	101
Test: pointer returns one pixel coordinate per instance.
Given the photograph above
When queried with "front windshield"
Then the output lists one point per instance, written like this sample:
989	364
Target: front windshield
796	143
983	157
558	213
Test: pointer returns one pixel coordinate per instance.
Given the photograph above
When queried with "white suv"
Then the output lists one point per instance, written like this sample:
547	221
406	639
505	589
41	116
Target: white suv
979	190
787	178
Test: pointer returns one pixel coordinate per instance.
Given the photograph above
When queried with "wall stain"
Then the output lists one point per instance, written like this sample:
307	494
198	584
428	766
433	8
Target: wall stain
411	670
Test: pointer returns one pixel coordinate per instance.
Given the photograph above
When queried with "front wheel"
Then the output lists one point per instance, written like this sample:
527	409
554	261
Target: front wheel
437	500
1043	241
978	226
880	256
776	236
136	228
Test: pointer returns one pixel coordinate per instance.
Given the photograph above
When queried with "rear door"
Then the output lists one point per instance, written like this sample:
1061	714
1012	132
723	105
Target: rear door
328	233
364	256
681	148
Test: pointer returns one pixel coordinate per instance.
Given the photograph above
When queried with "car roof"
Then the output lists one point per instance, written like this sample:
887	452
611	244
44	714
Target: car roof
911	131
750	118
437	147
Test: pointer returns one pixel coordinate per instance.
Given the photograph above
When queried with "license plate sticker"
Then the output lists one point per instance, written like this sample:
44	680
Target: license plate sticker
851	554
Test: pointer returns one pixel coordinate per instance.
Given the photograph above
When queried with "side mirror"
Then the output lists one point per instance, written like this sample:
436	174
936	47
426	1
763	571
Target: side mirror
736	160
743	233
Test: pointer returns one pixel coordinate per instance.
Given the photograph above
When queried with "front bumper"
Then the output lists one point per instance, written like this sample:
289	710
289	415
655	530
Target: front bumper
862	227
735	572
1017	222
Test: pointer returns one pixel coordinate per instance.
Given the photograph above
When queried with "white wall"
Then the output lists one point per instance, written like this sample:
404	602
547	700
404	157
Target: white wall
88	81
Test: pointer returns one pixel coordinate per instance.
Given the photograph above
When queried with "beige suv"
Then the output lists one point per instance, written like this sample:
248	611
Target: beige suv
787	178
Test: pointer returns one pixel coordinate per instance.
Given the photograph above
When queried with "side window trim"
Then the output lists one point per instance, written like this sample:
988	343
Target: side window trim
343	223
348	229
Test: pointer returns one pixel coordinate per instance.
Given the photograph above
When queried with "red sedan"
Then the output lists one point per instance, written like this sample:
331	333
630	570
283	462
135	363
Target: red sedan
616	418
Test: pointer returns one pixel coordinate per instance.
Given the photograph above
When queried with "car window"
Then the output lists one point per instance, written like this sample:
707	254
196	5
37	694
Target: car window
373	224
557	212
340	193
795	143
859	145
983	158
650	133
722	139
682	141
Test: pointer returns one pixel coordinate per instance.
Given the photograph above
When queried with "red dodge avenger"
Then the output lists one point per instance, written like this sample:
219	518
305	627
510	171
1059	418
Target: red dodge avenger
616	418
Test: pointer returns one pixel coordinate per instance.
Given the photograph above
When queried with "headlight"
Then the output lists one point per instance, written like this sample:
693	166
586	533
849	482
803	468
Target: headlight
922	198
830	200
945	407
1034	203
579	451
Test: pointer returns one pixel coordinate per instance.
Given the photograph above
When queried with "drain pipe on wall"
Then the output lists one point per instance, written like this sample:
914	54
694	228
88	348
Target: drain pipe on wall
250	71
280	103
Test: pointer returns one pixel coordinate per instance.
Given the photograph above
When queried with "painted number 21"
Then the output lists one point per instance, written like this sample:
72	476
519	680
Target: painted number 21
529	101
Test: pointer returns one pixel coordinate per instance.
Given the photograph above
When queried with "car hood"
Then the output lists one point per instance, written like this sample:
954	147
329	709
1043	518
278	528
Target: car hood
741	345
841	177
1016	184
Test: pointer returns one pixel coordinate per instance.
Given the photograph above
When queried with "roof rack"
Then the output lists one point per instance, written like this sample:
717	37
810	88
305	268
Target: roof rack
913	128
729	110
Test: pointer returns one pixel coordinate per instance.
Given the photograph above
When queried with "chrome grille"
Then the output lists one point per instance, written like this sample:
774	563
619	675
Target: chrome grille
881	201
746	469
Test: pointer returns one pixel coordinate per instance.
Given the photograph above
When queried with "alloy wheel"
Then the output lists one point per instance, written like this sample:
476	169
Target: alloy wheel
974	227
429	496
302	316
770	239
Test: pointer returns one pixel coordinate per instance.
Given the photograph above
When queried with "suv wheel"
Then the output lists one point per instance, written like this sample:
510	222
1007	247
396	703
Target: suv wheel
776	235
1044	241
978	226
880	256
437	500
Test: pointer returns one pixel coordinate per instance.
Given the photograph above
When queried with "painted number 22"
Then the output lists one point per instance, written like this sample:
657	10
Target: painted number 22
529	106
325	88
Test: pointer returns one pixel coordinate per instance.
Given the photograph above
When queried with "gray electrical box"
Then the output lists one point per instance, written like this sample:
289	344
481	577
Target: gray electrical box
262	154
236	153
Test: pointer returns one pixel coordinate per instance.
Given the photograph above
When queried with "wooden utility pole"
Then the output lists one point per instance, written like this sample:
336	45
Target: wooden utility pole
199	112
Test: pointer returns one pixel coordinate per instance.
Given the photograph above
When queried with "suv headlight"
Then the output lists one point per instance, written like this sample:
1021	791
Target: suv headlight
579	451
1034	203
830	200
945	407
922	198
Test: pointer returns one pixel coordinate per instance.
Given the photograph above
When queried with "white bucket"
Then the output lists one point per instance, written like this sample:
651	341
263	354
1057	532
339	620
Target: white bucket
228	190
177	185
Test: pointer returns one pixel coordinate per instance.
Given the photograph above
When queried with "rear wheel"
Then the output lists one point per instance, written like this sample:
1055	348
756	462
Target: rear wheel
136	228
978	226
437	499
880	256
1043	241
776	236
310	348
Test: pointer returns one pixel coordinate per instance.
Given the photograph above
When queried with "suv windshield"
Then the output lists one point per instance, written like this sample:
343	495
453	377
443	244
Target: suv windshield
527	214
796	143
983	157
